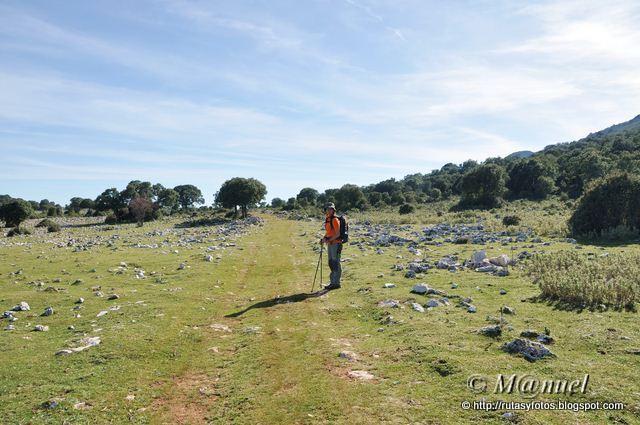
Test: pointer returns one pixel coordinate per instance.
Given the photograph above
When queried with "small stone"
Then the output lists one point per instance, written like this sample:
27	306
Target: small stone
50	404
472	309
102	313
219	327
130	397
503	292
389	285
251	329
41	328
9	328
113	297
492	331
361	374
71	327
432	304
348	355
80	300
48	311
389	303
208	258
507	310
23	306
529	333
454	286
417	307
78	282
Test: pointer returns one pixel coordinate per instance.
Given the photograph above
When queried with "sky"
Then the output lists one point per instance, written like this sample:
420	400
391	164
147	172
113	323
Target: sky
298	93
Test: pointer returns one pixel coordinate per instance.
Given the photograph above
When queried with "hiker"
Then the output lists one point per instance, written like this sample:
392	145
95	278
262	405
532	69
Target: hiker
334	245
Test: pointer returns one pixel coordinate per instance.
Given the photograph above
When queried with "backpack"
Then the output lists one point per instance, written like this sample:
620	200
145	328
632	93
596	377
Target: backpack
344	228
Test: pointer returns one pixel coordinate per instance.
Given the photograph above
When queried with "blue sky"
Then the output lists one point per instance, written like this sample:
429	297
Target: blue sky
298	93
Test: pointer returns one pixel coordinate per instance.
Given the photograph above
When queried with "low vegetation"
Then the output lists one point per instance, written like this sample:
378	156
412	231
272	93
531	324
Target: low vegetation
582	280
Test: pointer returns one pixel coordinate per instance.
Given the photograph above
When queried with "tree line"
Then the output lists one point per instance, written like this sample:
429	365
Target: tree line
139	201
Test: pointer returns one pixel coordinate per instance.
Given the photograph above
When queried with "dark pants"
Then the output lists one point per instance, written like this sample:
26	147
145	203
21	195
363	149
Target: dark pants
335	250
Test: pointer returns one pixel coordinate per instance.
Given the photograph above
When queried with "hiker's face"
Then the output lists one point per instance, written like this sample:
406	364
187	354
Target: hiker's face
329	211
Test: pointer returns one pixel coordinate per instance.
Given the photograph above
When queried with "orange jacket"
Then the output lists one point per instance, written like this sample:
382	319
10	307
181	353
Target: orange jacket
332	229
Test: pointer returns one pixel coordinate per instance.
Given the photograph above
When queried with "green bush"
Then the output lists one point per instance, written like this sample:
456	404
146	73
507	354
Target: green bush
111	219
18	231
510	220
53	227
406	209
15	212
45	223
609	203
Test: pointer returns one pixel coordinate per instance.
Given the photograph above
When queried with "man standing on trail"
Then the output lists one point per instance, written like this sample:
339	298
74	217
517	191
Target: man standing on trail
334	244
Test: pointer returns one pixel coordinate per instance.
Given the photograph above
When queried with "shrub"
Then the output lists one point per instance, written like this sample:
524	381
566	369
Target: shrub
18	231
406	209
53	227
607	204
111	219
45	223
510	220
15	212
576	279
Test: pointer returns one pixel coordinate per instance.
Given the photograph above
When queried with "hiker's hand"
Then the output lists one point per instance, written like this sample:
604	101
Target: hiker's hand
322	240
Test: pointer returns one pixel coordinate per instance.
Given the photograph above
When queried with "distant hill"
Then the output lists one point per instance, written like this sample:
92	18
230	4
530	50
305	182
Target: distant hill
519	154
633	124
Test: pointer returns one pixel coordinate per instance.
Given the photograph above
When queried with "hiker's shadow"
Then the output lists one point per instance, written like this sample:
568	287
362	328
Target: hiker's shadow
296	298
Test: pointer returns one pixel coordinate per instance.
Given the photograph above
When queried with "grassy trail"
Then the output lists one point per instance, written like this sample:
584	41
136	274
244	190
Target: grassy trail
277	373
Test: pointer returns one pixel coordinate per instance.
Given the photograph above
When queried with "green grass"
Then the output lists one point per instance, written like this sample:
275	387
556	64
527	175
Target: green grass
160	348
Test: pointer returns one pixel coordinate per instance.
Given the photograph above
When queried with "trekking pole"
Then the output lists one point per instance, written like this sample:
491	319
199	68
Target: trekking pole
318	266
321	265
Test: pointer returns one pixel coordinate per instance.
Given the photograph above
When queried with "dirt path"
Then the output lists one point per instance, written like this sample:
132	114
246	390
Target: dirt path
274	365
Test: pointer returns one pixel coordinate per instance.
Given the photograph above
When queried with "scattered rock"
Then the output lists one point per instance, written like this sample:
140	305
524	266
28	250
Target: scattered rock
417	307
50	404
492	331
432	304
502	260
23	306
389	285
80	300
81	345
389	303
348	355
529	333
47	311
507	310
531	351
41	328
102	313
361	374
545	339
113	297
251	329
219	327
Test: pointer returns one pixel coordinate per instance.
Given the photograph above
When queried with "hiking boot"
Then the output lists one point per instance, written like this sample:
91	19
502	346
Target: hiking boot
332	286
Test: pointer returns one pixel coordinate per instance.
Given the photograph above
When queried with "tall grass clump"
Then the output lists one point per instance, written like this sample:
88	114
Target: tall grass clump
585	281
